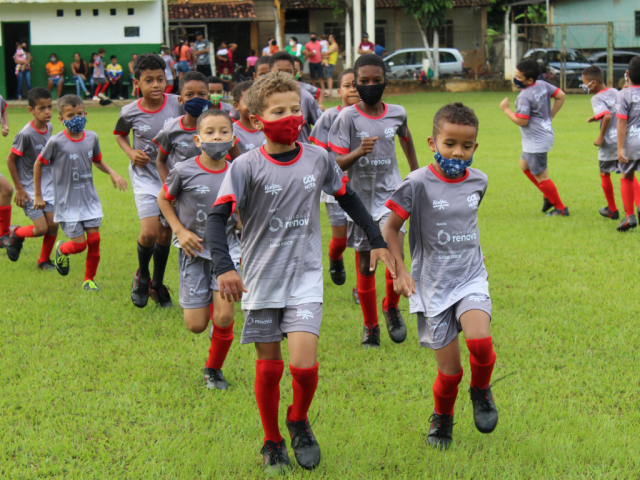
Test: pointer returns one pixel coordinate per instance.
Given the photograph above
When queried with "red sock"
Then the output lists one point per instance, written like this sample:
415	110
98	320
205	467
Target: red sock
551	192
48	242
97	90
445	391
93	256
392	298
357	265
626	191
336	247
532	178
25	232
305	382
636	191
104	88
482	359
607	188
70	248
368	299
267	387
221	341
5	220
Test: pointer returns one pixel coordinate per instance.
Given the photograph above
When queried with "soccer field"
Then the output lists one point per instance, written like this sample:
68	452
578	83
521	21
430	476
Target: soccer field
92	387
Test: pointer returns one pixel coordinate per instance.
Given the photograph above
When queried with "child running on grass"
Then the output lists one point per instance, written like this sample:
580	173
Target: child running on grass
26	147
363	137
276	190
448	287
6	190
247	137
534	115
193	184
71	154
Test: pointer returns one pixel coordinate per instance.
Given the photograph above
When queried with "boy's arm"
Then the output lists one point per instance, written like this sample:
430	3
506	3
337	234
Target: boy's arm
606	121
189	241
622	136
118	182
161	163
38	202
21	193
346	160
558	101
4	119
404	283
409	150
521	122
138	157
320	98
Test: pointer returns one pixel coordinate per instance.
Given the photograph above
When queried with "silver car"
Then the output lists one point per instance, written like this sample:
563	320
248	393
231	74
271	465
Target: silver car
410	59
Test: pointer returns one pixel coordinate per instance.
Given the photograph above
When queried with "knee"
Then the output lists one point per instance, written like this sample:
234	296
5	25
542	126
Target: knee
223	320
148	237
164	236
39	230
52	230
195	325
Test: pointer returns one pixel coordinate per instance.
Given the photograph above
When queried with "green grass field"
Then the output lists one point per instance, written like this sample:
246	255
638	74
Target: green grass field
92	387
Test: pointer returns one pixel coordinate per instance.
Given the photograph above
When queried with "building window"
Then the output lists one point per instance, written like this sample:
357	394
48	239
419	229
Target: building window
131	31
381	30
130	11
113	11
60	13
637	24
445	35
335	29
95	12
296	21
78	12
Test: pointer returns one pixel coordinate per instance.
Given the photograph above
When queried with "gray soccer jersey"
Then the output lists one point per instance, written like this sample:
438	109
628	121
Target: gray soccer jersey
314	91
233	113
27	145
534	104
444	240
628	108
75	196
320	136
146	125
195	189
604	103
3	105
279	204
246	139
376	176
176	140
311	113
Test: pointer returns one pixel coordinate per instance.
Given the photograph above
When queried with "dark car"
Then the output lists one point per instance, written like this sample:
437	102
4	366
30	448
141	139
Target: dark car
550	58
621	61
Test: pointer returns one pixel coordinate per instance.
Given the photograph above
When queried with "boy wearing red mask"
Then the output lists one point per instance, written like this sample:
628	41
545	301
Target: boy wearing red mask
276	191
363	137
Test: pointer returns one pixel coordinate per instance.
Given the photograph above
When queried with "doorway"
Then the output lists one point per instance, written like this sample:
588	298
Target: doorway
13	32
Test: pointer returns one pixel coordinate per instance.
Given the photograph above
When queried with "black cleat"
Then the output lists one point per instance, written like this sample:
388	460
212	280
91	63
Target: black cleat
214	379
161	296
48	265
485	413
14	245
275	458
441	431
62	261
627	223
559	213
4	240
371	337
356	297
395	324
546	205
139	291
606	212
337	272
304	444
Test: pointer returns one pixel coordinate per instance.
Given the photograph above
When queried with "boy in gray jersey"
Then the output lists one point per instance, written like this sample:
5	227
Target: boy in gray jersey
247	137
145	118
448	287
216	92
534	115
276	190
26	147
6	191
193	185
363	138
71	154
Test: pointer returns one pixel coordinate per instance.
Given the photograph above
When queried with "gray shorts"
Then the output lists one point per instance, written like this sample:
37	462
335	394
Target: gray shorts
197	280
75	229
273	324
357	239
147	206
337	217
632	166
439	331
34	214
537	162
609	166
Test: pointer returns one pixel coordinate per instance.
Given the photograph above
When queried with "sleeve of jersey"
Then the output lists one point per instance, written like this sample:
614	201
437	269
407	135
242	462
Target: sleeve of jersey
172	185
97	153
335	181
403	130
233	188
523	108
46	154
320	133
339	140
123	125
599	108
18	144
622	108
162	141
401	200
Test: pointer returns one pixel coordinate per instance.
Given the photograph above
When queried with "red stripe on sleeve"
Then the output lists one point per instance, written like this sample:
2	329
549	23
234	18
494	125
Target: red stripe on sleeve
343	189
555	93
43	160
227	199
160	147
98	158
124	134
237	142
602	114
394	207
621	117
16	151
340	150
167	195
318	142
519	115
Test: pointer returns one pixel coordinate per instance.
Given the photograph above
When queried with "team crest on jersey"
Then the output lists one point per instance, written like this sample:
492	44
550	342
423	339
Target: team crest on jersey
309	183
273	189
74	156
633	131
440	204
473	200
182	145
202	189
362	135
38	147
304	313
613	133
249	146
546	124
477	298
635	98
389	133
144	128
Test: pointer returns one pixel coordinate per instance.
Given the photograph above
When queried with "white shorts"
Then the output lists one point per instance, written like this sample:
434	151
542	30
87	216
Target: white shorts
147	206
75	229
273	324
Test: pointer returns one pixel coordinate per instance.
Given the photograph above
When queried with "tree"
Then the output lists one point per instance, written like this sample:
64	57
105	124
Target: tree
430	14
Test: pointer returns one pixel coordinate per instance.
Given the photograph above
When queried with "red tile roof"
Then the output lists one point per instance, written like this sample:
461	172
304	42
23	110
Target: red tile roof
184	11
313	5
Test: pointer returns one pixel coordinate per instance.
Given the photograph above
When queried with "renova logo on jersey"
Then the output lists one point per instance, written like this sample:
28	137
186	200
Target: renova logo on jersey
259	321
389	133
75	176
273	189
304	313
276	224
635	98
145	128
309	183
74	156
546	124
362	135
440	204
473	200
366	161
201	216
193	291
202	189
182	145
443	237
456	236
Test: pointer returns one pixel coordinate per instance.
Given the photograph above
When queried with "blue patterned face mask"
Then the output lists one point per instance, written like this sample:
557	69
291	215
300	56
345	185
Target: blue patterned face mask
76	124
452	166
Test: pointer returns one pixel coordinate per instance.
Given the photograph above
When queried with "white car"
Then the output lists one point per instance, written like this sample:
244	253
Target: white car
451	61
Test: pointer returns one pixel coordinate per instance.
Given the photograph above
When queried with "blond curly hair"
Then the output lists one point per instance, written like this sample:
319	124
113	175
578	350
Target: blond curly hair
259	93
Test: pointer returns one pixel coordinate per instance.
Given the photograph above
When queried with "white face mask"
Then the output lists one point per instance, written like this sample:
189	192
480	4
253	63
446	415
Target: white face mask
292	43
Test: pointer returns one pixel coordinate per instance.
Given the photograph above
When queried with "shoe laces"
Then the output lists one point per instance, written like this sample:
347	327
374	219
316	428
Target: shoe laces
215	375
303	432
443	426
481	396
372	334
394	317
274	452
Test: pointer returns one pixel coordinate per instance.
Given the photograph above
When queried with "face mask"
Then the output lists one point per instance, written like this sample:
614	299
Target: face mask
215	99
298	75
585	88
196	106
284	131
293	44
518	83
452	166
216	150
313	39
371	94
76	124
53	59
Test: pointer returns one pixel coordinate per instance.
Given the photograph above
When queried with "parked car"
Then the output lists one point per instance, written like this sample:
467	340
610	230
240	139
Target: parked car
550	58
451	61
621	61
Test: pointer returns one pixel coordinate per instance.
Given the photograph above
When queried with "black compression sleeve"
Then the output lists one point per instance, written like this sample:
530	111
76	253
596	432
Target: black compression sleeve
216	234
351	203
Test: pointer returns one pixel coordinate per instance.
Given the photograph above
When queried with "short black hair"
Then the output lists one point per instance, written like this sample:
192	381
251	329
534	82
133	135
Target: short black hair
529	68
38	93
280	57
456	113
191	77
68	101
53	55
369	59
274	42
240	88
594	72
113	56
252	52
213	113
634	70
294	38
344	72
147	61
211	80
263	60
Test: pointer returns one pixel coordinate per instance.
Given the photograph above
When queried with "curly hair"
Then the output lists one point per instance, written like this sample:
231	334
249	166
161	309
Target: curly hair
147	61
267	85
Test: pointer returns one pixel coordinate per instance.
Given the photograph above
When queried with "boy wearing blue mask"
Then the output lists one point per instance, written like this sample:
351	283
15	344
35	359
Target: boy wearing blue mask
533	115
77	207
447	287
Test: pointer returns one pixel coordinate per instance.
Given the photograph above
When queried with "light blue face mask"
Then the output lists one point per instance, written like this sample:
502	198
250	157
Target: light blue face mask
452	166
76	124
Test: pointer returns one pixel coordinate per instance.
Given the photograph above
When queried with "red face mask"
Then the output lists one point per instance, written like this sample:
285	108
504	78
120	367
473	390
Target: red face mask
284	131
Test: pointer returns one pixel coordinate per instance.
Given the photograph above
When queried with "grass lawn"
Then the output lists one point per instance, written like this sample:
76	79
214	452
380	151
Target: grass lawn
92	387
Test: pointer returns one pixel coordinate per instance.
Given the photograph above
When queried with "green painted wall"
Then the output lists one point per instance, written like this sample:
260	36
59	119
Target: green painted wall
3	82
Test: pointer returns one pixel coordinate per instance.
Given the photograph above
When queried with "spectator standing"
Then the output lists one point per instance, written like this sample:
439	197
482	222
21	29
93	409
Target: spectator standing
169	72
99	77
314	53
266	51
23	68
331	57
114	72
80	71
184	56
380	51
202	47
366	46
274	47
251	63
55	74
295	49
135	92
224	56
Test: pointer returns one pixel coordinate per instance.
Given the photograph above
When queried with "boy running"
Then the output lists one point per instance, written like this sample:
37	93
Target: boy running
247	137
71	154
6	190
534	115
216	92
363	137
146	118
448	287
193	184
276	190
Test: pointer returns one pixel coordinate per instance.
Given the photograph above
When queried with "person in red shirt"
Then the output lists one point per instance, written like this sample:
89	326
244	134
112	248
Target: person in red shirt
313	52
366	46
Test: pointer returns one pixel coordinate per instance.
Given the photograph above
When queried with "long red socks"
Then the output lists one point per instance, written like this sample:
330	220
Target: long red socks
93	256
482	359
267	389
368	299
445	391
532	178
48	242
626	191
70	248
25	232
221	341
5	220
336	247
392	298
636	191
551	192
607	188
305	382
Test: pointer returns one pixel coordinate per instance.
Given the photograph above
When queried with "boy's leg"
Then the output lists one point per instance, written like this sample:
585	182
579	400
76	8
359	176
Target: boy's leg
607	187
550	191
93	257
6	192
159	292
77	244
148	212
338	243
395	323
636	192
524	165
48	242
19	234
368	301
627	194
222	336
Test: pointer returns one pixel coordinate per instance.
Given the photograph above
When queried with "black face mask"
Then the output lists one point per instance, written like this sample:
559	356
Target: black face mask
371	94
313	39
